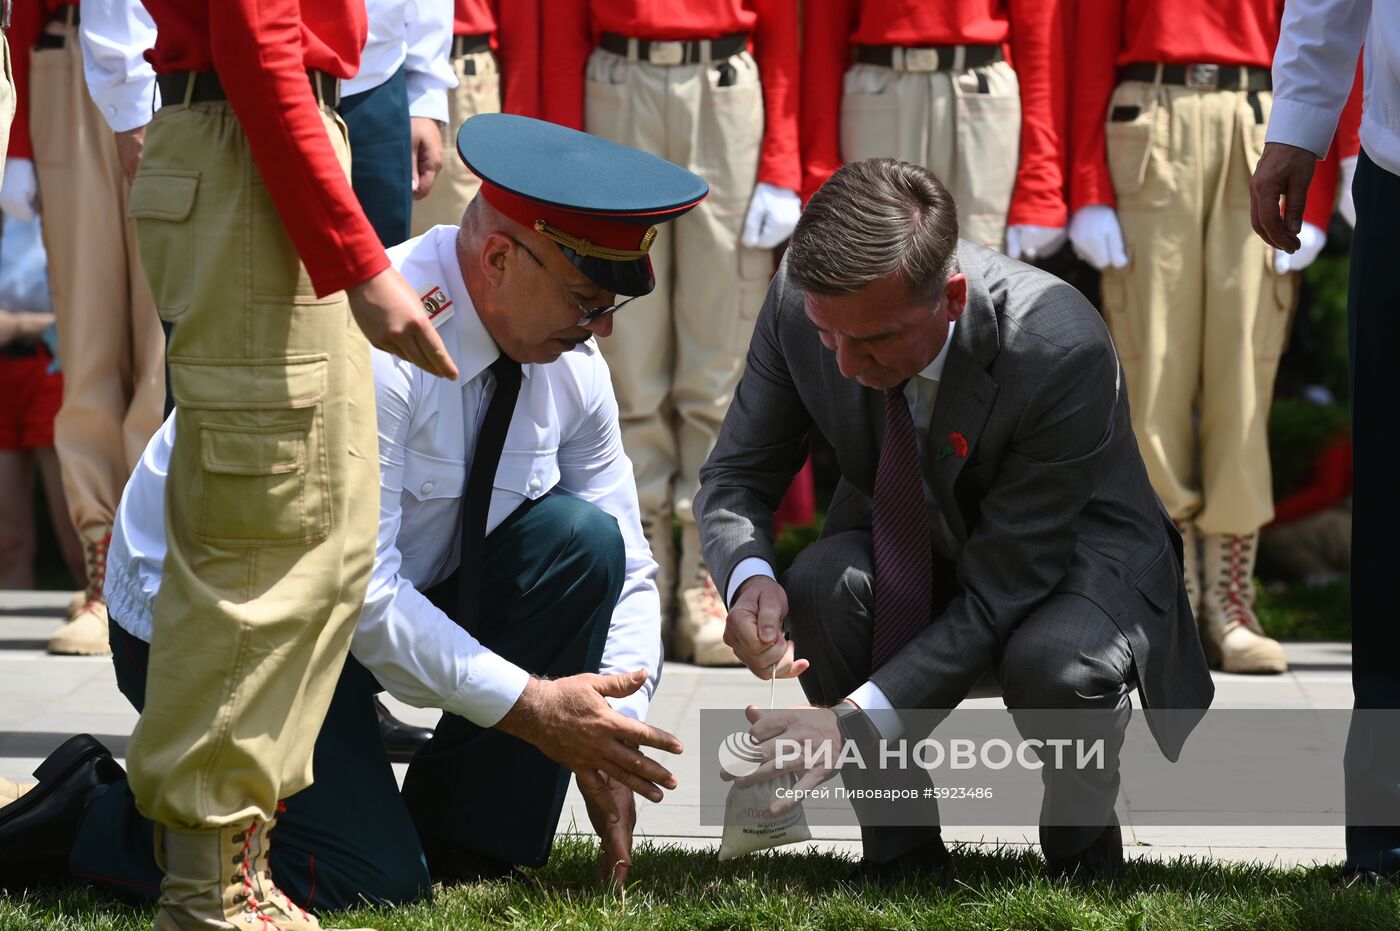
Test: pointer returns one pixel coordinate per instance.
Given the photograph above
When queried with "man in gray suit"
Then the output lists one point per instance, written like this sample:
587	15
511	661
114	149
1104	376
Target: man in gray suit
1040	562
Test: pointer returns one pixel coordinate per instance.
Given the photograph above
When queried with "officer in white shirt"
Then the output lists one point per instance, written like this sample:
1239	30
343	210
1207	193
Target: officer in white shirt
512	585
1316	58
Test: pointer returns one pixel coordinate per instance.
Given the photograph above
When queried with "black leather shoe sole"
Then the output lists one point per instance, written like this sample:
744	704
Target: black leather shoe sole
38	829
1103	859
930	864
400	740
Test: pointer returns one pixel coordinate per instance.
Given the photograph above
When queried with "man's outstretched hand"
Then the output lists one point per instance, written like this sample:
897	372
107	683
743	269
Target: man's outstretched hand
392	318
1284	171
570	721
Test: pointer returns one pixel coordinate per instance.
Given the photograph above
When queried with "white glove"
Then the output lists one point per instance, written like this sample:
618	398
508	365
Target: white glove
1346	204
773	214
1310	243
1097	238
1034	242
19	191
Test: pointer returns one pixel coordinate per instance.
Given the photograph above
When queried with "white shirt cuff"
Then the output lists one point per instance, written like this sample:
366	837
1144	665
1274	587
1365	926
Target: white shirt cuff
747	569
869	698
429	102
633	706
135	113
492	689
1301	125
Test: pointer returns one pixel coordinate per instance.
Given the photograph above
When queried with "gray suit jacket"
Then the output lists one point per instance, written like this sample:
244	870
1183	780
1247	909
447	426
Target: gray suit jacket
1052	497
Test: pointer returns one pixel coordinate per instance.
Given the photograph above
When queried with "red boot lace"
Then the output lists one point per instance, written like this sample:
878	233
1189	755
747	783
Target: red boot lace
97	569
1236	608
250	889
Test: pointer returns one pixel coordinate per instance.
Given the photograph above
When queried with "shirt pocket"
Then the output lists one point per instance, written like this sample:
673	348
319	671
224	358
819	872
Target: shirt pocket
530	473
432	493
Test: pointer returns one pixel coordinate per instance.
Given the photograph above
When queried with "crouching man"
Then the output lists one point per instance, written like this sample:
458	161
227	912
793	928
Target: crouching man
512	585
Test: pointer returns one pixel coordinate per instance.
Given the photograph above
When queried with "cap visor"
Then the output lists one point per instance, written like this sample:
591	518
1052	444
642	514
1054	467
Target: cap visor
630	279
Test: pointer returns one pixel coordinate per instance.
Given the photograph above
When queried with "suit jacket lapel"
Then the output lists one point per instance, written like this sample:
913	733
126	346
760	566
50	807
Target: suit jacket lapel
965	396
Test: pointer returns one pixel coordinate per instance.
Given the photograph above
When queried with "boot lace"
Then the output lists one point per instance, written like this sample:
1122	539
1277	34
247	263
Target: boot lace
96	553
1239	588
252	907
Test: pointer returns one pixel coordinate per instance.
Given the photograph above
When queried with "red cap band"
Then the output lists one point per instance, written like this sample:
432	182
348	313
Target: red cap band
597	228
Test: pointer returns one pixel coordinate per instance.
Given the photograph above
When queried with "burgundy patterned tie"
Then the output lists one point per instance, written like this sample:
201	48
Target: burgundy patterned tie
903	553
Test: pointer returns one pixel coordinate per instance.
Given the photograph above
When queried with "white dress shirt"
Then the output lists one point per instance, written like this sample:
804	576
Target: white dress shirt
414	33
115	36
418	35
1313	70
563	438
921	392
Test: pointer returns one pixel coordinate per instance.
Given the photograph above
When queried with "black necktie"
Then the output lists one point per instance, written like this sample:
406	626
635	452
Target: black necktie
476	499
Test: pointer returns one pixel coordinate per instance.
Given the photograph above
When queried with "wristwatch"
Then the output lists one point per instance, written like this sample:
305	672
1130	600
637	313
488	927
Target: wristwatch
856	726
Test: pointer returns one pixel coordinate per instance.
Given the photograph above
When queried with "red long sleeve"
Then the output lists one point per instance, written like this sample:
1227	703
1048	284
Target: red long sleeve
1031	28
574	27
473	18
1331	482
263	52
1223	32
26	22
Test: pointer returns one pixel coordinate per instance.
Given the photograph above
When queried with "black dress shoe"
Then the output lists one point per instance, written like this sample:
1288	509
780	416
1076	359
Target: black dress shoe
400	739
37	830
1100	860
930	863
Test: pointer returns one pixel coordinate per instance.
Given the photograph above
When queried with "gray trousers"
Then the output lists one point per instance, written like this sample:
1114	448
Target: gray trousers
1068	654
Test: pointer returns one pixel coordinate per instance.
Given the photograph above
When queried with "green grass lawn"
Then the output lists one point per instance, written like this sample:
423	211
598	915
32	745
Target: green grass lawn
674	889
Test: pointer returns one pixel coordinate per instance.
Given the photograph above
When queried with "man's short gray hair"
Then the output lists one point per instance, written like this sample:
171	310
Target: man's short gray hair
871	219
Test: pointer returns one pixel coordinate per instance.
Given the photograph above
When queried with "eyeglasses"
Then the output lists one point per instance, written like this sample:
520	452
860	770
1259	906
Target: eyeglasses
589	315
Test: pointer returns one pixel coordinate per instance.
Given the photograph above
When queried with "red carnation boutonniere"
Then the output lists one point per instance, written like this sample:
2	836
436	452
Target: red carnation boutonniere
955	446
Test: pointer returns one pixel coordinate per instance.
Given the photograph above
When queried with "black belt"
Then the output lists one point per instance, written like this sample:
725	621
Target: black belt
927	57
21	349
63	16
207	87
1201	77
470	45
690	52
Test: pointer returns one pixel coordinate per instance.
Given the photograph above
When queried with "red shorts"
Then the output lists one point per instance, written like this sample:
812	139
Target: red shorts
29	400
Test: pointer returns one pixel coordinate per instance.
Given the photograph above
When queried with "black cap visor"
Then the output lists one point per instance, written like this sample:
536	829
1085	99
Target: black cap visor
630	279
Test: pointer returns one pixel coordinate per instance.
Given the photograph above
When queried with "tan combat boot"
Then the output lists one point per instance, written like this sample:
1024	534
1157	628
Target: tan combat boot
656	525
11	791
218	880
85	634
700	626
1233	639
1191	565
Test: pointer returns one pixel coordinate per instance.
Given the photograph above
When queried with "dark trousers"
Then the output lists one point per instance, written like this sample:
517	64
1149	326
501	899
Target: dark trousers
1372	761
551	575
1068	654
381	156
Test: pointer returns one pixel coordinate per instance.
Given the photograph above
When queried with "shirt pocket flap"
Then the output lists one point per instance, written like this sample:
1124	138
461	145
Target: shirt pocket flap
427	477
529	473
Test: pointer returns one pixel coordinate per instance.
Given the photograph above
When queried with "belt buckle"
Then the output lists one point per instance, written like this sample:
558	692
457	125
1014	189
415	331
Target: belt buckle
1203	77
666	53
921	59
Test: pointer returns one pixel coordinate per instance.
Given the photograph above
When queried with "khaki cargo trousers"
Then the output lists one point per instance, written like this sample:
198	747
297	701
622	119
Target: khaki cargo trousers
478	90
677	357
273	491
111	343
1199	316
964	125
7	100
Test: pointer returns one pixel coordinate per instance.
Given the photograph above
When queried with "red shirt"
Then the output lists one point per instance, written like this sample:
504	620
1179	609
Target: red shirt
1223	32
1032	28
474	18
263	51
572	28
26	23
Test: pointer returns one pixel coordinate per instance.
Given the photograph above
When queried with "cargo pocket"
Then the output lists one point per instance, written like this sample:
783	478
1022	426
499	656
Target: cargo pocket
161	201
260	473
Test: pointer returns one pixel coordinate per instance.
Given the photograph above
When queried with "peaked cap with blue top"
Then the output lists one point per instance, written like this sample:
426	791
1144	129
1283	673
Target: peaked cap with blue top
599	201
